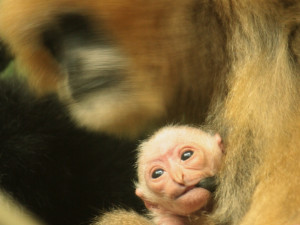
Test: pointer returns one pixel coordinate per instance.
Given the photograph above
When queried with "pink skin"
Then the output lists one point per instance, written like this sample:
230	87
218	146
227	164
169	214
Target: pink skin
173	162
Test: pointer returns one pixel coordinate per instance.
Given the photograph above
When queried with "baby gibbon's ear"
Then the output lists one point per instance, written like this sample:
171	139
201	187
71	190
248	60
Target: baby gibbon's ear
149	205
219	141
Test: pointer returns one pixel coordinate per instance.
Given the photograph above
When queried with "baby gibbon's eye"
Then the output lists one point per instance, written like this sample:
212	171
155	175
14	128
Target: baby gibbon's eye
186	155
157	173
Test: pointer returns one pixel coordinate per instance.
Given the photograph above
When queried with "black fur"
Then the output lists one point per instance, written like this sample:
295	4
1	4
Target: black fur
61	173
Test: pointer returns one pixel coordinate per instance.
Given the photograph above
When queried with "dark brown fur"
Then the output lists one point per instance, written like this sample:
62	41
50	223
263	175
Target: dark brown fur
234	64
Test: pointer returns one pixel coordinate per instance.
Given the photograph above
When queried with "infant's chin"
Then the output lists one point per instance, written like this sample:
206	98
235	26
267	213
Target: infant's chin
192	201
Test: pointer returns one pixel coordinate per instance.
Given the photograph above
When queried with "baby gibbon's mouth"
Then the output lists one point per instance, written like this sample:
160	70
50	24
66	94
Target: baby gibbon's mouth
208	183
185	191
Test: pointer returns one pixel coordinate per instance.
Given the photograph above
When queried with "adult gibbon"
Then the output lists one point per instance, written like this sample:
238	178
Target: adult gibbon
231	64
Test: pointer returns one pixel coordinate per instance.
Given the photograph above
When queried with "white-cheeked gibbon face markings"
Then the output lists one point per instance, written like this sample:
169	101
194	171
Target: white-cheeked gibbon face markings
119	66
95	71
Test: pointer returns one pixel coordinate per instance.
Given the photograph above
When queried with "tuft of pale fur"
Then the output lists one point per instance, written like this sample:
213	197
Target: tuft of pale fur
122	217
11	213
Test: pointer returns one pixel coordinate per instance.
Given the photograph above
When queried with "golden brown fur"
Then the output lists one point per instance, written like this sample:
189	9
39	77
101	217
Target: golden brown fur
122	217
242	56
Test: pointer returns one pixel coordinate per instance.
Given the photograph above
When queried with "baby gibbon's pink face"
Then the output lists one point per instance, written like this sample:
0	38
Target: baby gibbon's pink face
173	162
